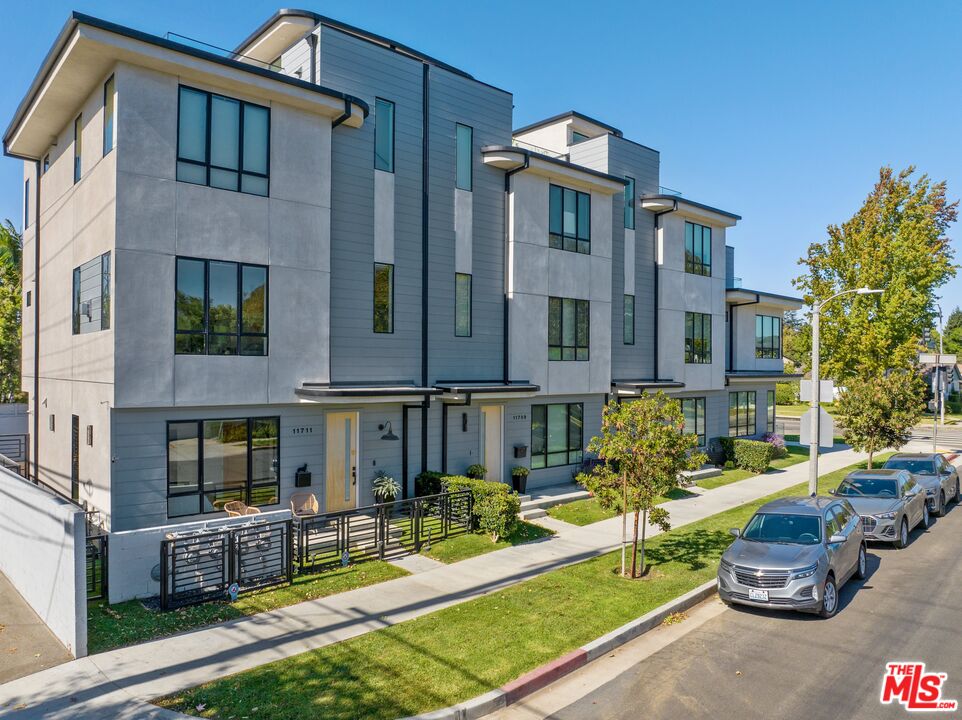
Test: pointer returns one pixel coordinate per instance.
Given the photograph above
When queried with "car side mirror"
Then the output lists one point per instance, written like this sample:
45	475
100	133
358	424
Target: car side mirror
735	531
836	539
833	491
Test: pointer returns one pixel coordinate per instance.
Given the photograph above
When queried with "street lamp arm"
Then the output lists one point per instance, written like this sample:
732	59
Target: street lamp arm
857	291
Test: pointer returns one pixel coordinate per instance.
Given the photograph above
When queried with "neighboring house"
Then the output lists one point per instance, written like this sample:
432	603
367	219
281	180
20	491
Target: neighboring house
329	249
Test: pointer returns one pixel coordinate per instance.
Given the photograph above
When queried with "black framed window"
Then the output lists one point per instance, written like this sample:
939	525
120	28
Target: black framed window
462	305
464	141
577	137
629	320
741	413
697	249
694	411
697	338
221	308
568	329
569	219
46	163
223	142
91	295
557	434
768	337
110	114
77	147
383	135
213	462
630	203
383	298
770	407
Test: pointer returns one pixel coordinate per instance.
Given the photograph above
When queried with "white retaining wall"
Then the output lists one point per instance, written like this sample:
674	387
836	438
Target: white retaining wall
42	552
133	556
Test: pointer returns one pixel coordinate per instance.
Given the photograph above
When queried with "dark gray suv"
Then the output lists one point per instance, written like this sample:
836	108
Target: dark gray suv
794	554
890	502
932	472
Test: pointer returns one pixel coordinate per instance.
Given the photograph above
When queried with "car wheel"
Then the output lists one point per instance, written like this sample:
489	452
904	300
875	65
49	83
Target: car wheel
926	517
958	492
903	537
940	510
829	598
861	568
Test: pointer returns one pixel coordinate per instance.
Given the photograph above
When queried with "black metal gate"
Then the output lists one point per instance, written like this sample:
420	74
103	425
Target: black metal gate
202	566
97	566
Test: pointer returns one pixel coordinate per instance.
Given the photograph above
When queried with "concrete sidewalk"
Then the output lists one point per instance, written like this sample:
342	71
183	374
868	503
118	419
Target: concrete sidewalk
115	684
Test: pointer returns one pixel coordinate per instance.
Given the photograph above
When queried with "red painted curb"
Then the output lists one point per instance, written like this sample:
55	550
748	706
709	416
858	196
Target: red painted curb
543	676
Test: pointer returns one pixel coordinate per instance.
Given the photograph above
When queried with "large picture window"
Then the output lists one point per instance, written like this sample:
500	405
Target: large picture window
697	338
91	295
694	411
213	462
697	249
569	219
383	298
768	337
741	413
567	329
557	434
221	308
222	142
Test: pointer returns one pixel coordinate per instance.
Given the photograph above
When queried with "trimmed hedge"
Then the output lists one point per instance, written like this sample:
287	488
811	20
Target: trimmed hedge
496	506
753	455
429	482
728	448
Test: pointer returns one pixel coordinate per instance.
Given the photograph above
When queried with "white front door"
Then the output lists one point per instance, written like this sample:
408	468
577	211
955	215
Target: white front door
491	421
341	482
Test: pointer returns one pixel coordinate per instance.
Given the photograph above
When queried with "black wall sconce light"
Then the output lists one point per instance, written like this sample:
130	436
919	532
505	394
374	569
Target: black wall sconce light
389	435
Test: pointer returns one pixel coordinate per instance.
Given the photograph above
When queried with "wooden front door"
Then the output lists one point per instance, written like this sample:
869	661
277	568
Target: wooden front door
341	461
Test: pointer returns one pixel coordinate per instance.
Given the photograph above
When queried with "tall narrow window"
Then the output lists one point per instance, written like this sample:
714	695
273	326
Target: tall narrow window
697	338
384	135
223	143
768	337
693	410
697	249
630	203
91	295
46	163
770	407
77	146
26	203
569	219
110	115
629	320
557	434
220	308
465	142
568	327
741	413
462	305
383	298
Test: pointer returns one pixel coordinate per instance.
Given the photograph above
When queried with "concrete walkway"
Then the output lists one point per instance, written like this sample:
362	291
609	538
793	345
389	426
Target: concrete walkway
115	684
26	645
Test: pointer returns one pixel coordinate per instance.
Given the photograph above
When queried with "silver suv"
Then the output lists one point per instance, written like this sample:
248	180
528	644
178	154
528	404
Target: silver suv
794	554
932	472
890	502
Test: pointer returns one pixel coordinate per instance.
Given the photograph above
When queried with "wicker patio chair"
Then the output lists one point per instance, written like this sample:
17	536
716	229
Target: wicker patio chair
252	511
235	508
304	504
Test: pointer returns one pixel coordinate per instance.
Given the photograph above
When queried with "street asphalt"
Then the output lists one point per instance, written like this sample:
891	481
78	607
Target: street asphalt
748	664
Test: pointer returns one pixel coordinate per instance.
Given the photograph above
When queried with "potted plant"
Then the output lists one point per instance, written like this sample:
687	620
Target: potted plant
519	478
385	488
477	472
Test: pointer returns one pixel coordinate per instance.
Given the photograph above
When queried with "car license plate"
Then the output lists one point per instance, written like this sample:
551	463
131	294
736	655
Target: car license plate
758	595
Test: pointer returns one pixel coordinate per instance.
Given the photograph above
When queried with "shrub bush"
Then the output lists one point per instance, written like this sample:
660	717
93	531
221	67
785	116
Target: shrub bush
476	472
778	445
429	482
753	455
496	507
786	393
728	448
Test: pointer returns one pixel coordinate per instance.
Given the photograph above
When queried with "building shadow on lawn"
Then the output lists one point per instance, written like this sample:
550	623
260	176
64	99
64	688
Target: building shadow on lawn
694	549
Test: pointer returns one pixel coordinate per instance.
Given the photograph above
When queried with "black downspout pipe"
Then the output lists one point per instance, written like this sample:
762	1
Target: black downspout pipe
444	428
657	223
344	116
425	250
506	370
36	328
731	329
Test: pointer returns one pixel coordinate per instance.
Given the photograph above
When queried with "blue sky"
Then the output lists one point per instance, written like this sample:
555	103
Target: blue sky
781	112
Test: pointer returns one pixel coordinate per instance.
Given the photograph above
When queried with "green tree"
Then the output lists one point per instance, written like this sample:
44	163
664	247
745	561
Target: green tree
796	342
643	447
952	335
896	241
11	252
879	412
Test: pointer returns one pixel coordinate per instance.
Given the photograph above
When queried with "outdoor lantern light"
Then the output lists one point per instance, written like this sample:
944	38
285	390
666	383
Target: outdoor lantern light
389	435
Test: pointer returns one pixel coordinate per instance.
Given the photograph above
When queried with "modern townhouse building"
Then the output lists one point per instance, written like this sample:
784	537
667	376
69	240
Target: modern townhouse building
326	251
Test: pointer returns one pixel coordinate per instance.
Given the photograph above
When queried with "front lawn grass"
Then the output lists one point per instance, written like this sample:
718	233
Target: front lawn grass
589	510
127	623
799	409
462	547
465	650
795	455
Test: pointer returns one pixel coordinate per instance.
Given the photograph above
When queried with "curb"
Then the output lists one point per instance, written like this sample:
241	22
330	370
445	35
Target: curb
539	678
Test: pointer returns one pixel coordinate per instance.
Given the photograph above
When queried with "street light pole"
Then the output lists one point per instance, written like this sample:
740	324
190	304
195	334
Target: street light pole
814	403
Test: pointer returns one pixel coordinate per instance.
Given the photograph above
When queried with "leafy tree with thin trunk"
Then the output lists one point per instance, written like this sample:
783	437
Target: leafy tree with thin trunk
897	242
879	412
11	251
952	333
642	449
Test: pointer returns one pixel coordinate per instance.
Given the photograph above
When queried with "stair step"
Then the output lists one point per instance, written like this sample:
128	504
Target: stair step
533	513
701	474
545	501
